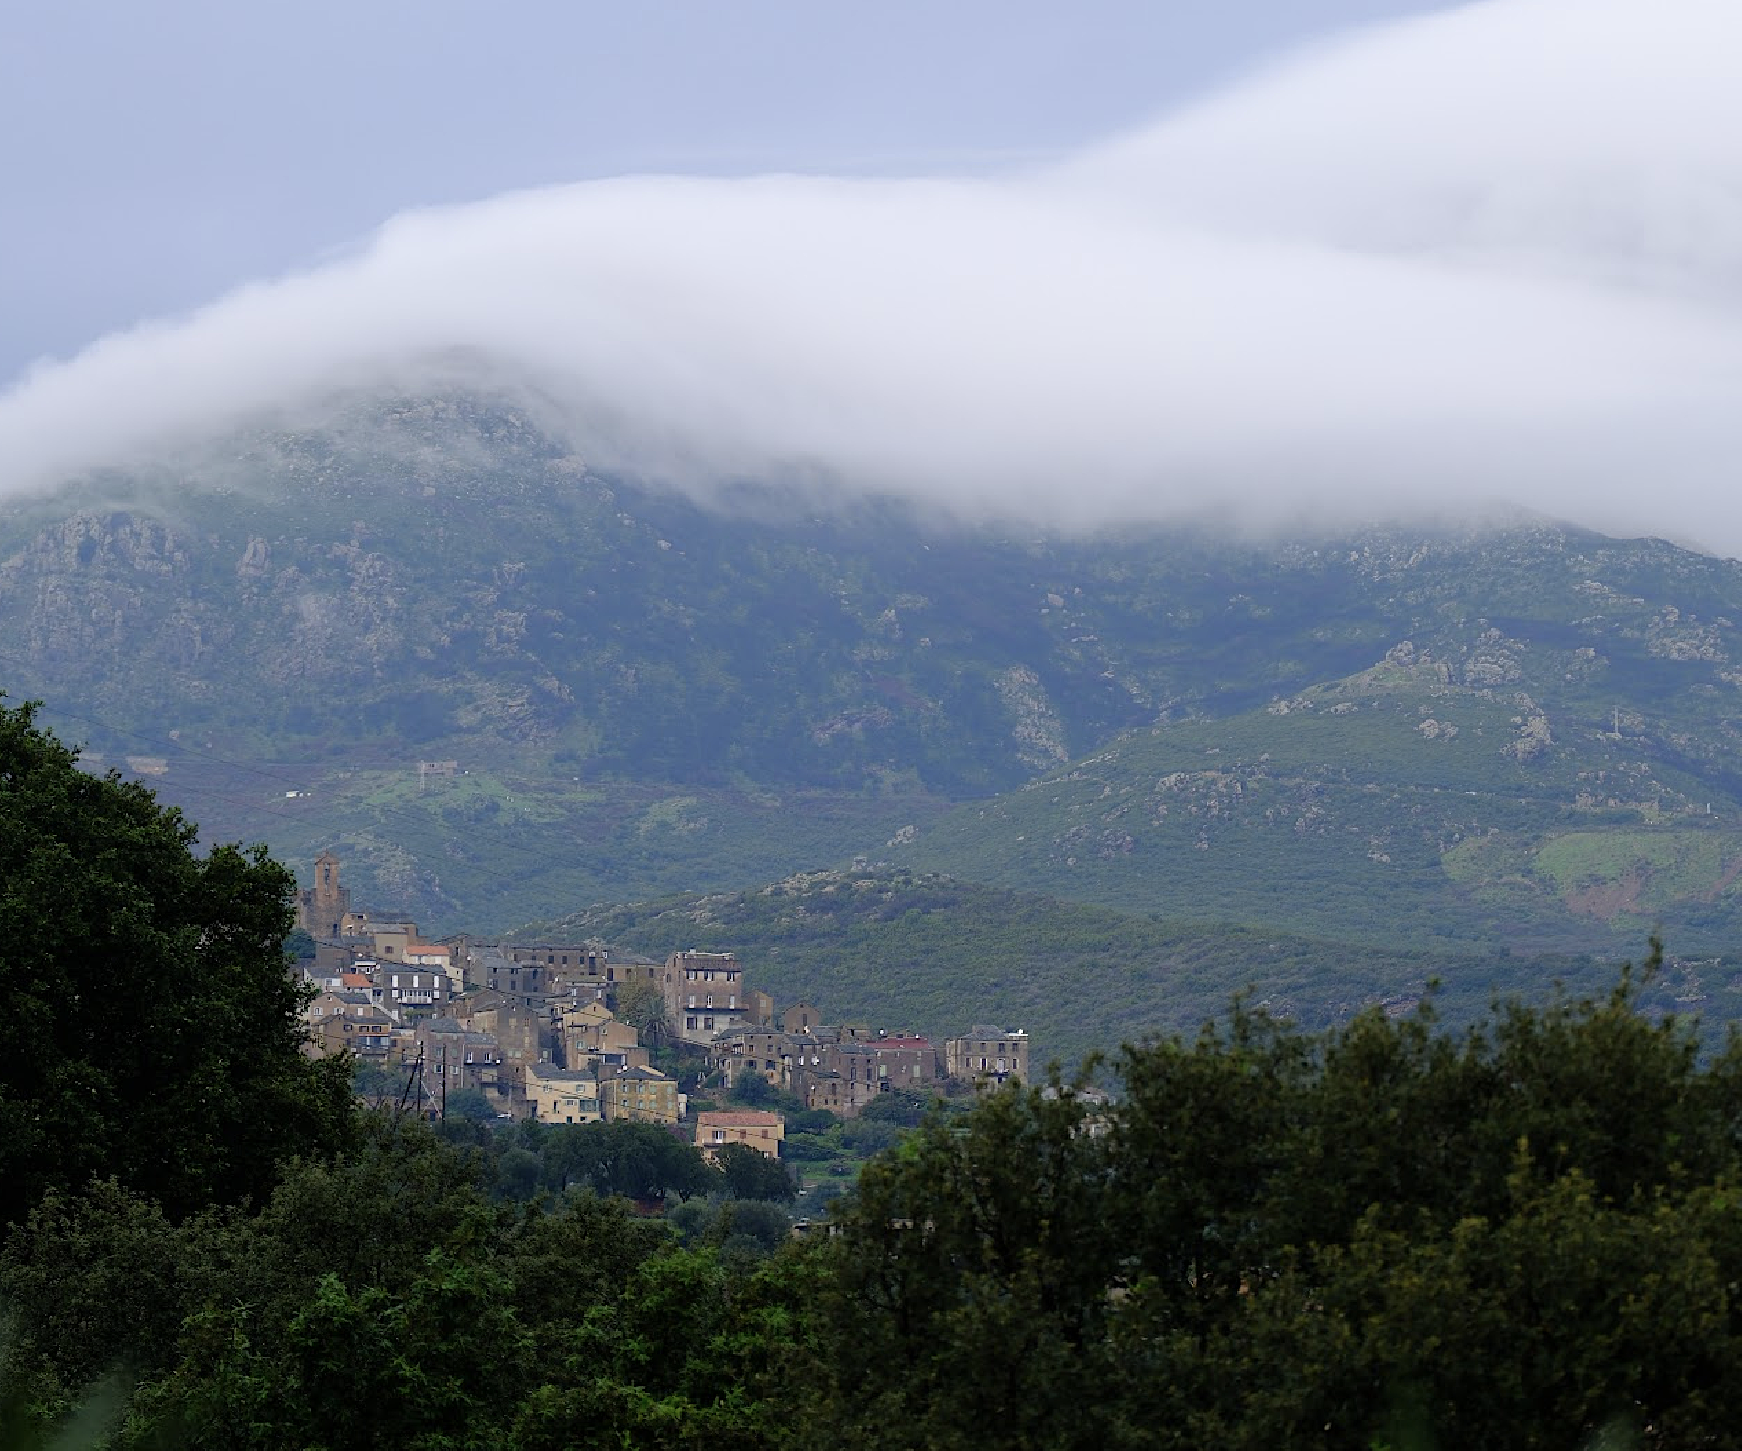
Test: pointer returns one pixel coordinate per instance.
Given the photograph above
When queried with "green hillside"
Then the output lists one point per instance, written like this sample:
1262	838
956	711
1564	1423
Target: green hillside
1518	735
1398	805
934	954
515	836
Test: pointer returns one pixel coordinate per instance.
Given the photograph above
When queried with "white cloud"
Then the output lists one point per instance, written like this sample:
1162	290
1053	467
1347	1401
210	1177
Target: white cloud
1496	253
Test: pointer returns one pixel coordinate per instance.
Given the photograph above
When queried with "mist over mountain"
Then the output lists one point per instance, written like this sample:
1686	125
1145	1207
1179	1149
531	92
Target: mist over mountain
1238	626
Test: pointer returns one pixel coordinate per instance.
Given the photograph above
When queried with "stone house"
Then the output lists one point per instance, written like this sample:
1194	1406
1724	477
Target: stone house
587	1029
412	987
826	1090
521	1033
905	1061
987	1055
704	995
801	1017
464	1056
432	955
337	1022
641	1095
562	1096
855	1066
762	1131
765	1052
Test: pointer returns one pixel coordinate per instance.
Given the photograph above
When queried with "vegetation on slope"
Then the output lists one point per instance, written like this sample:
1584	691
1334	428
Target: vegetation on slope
1524	1233
1399	805
431	580
930	953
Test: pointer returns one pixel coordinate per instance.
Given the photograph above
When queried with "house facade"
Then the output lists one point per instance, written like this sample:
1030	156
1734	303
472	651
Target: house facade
562	1096
764	1132
640	1095
988	1055
704	995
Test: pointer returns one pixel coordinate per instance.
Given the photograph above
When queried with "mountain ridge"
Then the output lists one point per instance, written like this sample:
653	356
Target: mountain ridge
660	694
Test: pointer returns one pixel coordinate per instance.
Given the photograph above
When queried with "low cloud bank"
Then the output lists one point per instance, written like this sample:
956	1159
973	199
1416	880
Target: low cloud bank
1493	255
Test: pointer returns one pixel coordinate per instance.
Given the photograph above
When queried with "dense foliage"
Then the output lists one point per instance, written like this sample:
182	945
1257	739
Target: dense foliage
148	1028
1524	1234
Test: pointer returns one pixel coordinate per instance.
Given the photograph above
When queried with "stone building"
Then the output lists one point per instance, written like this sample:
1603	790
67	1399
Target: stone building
321	909
988	1055
704	995
764	1132
561	1095
641	1095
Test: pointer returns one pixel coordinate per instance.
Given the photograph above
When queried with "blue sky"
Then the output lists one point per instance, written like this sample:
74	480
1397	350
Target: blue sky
157	154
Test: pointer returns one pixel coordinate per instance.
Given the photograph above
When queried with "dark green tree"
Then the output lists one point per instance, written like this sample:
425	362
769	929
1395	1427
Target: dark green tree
968	1293
635	1160
1523	1235
149	1029
753	1175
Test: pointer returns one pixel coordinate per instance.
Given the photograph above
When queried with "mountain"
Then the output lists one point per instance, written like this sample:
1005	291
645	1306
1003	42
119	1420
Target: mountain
1492	791
505	686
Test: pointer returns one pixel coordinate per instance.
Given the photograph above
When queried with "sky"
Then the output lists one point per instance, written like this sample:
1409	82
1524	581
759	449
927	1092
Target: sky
1325	258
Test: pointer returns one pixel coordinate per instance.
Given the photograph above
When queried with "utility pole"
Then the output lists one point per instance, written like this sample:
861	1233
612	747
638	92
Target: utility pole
415	1076
444	1082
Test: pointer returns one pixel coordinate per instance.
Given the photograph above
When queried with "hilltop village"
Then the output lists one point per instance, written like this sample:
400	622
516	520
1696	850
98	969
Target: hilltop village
569	1033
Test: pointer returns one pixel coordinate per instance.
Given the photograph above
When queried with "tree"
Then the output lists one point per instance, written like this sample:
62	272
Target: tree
472	1104
635	1160
969	1284
1525	1234
752	1090
753	1175
149	1029
642	1006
